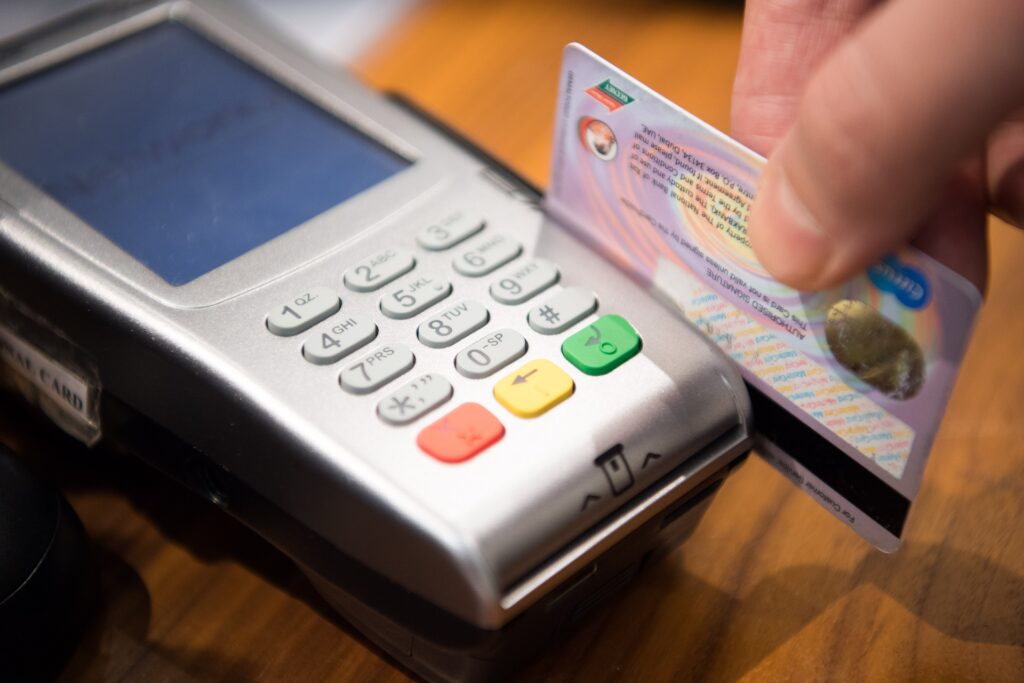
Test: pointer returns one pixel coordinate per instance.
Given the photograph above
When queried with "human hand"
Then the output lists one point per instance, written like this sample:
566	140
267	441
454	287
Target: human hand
885	122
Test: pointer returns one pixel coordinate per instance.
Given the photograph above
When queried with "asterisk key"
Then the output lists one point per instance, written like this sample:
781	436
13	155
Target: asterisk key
401	404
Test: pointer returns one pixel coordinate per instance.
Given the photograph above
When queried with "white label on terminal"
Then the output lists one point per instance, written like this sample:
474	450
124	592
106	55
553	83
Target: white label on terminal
67	389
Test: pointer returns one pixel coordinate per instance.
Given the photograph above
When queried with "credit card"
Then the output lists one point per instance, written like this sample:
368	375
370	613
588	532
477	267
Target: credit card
848	385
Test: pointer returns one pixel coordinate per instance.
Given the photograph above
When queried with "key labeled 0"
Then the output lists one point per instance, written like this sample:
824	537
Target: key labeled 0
491	353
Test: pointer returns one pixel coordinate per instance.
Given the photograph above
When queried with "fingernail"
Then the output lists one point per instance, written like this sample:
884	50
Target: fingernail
787	239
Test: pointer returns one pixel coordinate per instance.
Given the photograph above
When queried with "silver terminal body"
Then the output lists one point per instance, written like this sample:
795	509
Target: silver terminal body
222	365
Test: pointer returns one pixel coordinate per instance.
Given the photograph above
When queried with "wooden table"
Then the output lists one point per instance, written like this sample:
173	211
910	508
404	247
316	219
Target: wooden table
770	587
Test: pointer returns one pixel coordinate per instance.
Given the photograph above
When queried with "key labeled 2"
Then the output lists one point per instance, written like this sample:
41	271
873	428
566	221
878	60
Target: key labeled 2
378	270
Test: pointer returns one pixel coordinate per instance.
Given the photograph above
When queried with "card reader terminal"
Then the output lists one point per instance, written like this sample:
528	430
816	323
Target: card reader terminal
462	424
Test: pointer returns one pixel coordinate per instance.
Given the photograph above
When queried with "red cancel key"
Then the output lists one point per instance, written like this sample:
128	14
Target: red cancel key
461	434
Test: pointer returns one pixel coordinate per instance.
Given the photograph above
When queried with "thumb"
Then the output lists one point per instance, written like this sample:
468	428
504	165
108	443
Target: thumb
883	124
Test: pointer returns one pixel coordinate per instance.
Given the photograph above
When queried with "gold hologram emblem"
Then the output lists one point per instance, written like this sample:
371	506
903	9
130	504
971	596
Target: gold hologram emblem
877	350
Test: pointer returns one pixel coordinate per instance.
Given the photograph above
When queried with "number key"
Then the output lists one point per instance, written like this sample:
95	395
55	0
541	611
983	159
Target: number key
452	324
378	270
487	355
338	337
414	297
487	255
301	312
525	282
449	231
376	368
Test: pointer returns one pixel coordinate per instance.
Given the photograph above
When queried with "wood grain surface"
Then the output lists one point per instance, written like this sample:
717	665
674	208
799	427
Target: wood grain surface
769	588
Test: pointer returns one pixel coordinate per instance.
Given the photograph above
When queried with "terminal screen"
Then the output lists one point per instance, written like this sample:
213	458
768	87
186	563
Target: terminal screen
180	153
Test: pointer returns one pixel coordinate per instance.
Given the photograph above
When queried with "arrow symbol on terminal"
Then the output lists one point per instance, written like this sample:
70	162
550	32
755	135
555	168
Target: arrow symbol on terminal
521	379
649	458
595	339
590	498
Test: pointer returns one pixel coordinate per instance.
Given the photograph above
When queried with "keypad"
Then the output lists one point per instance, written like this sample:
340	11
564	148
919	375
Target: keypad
338	337
534	388
414	297
452	324
376	368
562	311
449	231
491	353
461	434
524	282
374	272
302	311
487	255
415	399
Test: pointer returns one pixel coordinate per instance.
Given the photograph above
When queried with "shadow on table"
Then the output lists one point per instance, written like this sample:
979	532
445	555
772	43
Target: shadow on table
117	646
963	595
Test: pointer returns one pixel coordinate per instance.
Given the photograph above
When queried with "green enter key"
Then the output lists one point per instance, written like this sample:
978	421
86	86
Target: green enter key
600	348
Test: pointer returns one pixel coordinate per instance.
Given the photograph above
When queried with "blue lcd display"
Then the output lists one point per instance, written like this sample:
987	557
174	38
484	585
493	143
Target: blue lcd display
180	153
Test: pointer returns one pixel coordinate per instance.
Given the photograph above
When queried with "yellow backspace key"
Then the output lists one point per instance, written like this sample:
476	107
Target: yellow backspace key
534	388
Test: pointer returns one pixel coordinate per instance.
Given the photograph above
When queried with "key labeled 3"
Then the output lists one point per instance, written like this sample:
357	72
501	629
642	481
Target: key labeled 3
450	230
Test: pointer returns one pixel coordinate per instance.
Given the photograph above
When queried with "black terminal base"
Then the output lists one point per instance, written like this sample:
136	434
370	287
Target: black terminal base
497	655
